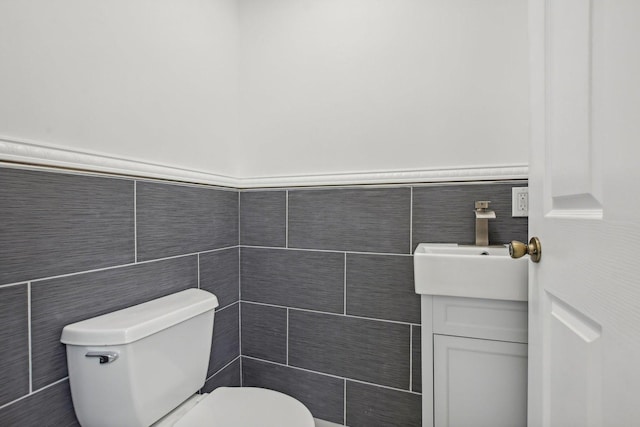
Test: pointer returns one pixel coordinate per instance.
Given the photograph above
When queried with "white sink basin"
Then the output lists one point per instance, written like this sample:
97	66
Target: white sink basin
470	271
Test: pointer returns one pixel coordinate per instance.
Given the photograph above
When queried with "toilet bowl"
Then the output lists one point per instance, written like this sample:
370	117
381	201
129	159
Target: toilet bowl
144	365
246	407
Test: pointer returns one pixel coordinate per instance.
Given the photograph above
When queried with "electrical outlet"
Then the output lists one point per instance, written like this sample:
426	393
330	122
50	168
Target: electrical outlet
520	201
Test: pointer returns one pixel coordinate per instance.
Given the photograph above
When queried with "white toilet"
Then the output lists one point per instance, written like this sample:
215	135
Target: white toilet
143	365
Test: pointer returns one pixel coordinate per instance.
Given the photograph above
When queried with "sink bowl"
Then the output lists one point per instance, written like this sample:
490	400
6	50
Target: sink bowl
470	271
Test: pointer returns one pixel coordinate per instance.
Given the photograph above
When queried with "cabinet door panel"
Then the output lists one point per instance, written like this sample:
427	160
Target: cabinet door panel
479	382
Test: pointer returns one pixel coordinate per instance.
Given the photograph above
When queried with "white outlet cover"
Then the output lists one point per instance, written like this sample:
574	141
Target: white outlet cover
516	209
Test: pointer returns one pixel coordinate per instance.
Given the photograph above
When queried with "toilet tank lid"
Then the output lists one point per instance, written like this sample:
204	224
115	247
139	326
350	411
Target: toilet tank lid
139	321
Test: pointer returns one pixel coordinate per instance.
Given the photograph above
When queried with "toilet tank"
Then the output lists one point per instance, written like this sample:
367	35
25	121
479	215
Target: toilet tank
133	366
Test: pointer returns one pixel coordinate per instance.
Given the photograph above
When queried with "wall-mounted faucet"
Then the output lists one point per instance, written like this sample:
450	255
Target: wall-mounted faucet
483	215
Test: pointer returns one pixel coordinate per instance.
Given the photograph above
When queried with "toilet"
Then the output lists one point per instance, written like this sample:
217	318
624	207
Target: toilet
144	365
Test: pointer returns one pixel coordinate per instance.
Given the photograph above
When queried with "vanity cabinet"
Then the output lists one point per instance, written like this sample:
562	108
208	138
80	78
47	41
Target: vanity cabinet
475	362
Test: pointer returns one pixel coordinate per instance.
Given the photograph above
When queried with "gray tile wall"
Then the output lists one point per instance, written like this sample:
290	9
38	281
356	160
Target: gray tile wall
220	274
263	218
372	351
319	280
369	219
69	251
225	346
176	219
322	394
301	279
372	406
329	314
382	287
228	376
51	407
264	332
90	217
14	343
445	214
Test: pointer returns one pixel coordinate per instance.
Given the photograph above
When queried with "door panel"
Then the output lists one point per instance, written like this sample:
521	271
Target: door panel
584	295
574	375
574	181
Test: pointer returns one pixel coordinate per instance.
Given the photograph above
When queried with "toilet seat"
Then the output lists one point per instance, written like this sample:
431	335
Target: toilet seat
247	407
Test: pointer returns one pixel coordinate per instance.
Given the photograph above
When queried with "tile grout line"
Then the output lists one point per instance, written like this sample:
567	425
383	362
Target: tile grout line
29	337
198	255
332	375
34	392
239	328
287	336
223	368
286	220
411	222
397	322
207	251
240	308
333	251
135	221
240	284
345	284
344	402
218	310
8	285
411	358
112	267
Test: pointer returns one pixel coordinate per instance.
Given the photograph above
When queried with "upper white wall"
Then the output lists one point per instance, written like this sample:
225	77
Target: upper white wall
260	88
150	80
331	86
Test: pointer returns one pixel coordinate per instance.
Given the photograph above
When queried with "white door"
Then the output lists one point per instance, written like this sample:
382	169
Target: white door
584	302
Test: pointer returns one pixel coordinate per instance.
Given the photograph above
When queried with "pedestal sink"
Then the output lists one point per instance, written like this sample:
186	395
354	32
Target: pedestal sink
470	271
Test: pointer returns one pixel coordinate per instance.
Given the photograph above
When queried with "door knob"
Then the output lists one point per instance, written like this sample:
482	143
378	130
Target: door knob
519	249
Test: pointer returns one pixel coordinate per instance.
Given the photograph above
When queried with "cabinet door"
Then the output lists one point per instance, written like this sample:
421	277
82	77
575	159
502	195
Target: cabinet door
479	382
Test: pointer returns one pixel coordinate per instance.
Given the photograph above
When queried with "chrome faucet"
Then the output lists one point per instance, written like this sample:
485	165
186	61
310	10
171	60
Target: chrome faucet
483	215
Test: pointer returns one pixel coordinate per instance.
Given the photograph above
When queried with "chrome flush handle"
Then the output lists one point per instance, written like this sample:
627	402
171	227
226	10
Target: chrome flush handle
103	356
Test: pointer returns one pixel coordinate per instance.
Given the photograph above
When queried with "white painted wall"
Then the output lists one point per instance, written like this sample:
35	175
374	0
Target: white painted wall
151	80
253	88
333	86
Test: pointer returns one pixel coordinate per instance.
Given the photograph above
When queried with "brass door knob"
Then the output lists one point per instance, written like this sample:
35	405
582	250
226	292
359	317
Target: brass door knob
519	249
